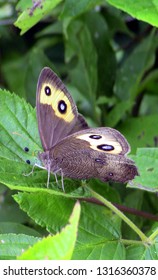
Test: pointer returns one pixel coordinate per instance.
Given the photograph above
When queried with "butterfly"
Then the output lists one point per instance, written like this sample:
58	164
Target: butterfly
70	146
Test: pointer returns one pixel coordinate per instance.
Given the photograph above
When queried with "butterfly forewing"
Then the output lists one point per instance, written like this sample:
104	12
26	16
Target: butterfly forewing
56	111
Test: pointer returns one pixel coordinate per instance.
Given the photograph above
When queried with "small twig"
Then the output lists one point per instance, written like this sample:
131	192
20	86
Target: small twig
136	212
125	209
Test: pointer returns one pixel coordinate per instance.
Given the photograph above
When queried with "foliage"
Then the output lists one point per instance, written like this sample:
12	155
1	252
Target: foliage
106	54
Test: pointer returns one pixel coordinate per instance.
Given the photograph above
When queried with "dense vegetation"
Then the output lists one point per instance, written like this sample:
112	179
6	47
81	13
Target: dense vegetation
106	54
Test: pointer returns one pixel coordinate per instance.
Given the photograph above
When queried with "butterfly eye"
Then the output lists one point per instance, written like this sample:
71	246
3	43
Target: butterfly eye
28	161
111	174
47	91
62	107
105	147
95	137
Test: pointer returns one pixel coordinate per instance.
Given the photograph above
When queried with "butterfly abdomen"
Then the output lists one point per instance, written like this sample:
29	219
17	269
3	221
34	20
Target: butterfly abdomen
70	163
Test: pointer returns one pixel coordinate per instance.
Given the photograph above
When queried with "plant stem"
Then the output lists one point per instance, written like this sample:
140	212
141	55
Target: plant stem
154	234
142	236
131	242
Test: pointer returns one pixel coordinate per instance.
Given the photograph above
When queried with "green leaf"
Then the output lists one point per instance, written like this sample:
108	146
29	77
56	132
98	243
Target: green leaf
146	10
119	110
34	66
116	22
98	236
9	211
18	126
12	245
47	208
33	13
73	8
106	62
143	252
84	74
9	227
59	246
97	231
21	176
22	5
8	70
105	190
146	160
6	10
133	200
131	72
140	131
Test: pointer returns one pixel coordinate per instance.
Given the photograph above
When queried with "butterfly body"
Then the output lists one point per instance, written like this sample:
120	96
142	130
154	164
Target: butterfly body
70	146
99	166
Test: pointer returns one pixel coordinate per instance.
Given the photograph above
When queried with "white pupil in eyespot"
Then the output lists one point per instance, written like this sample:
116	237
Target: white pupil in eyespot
62	106
105	147
47	91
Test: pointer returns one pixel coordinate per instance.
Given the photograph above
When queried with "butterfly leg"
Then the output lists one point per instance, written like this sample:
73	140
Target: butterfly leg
35	165
62	178
48	178
42	167
56	179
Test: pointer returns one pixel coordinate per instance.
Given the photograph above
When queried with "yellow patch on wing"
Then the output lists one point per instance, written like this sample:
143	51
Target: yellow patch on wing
56	96
104	140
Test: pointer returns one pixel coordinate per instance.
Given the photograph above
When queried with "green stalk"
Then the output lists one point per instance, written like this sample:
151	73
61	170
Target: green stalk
131	242
154	234
142	236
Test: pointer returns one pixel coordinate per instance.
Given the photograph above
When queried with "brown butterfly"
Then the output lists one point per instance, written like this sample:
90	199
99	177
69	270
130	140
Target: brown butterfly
70	146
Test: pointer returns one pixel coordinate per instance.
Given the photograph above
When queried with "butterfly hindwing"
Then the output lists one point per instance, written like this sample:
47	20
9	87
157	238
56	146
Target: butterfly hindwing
94	152
103	139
